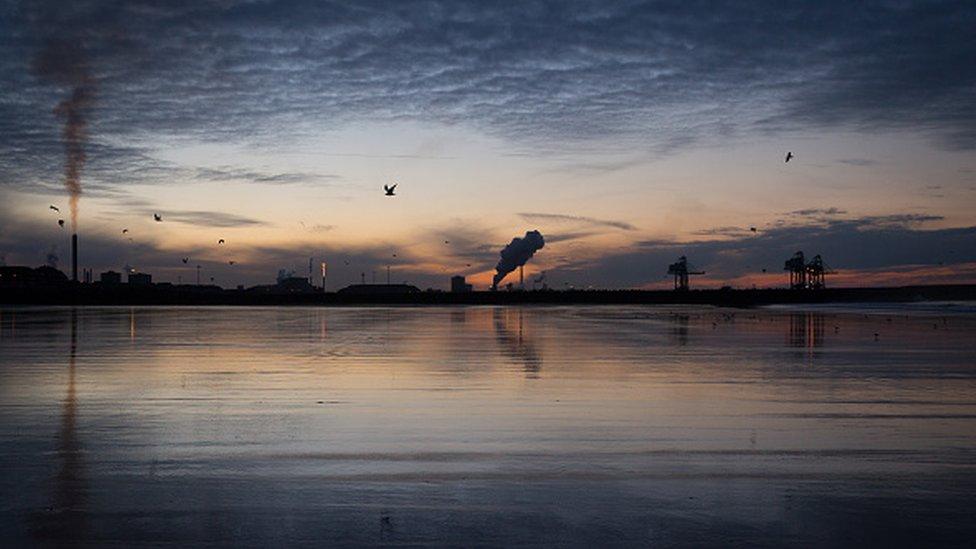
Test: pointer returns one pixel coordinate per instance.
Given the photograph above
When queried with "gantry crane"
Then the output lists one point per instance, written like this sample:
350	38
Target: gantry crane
797	268
817	272
807	276
681	270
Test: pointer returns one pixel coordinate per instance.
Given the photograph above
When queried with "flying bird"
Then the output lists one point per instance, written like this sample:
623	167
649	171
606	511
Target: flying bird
158	218
789	156
221	241
61	223
447	242
55	208
389	189
230	262
753	229
185	260
125	231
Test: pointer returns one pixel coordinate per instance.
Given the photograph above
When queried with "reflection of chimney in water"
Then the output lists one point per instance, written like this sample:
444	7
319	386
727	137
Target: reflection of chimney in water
74	257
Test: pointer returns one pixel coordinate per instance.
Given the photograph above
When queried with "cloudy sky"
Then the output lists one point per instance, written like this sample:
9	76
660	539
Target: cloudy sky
628	133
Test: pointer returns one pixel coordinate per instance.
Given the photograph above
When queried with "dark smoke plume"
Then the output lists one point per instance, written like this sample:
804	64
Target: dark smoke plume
516	254
63	63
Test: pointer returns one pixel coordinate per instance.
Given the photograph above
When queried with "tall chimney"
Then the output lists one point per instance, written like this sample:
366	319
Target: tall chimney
521	278
74	257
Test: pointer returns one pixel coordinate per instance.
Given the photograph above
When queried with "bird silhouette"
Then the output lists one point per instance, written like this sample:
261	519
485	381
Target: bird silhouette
125	231
389	189
158	218
186	260
61	223
55	208
789	156
231	262
753	229
221	241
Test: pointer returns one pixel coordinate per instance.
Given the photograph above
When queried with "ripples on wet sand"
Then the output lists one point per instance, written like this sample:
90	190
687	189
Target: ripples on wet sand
486	426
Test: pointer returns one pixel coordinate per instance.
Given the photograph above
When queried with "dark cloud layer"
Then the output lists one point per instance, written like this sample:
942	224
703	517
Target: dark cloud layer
657	75
863	243
576	219
205	218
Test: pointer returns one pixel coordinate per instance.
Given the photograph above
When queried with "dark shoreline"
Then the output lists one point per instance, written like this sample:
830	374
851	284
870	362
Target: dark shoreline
211	295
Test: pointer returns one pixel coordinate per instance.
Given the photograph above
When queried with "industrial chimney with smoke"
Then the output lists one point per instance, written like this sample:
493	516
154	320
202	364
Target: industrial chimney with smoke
516	254
74	257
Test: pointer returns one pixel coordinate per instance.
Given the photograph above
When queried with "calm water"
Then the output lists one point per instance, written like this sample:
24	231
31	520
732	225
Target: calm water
487	426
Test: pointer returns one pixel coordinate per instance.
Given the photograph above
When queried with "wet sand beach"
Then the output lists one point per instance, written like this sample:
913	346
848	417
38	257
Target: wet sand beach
488	426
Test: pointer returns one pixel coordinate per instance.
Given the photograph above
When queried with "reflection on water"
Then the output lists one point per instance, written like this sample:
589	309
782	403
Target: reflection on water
510	333
535	425
806	330
64	519
679	328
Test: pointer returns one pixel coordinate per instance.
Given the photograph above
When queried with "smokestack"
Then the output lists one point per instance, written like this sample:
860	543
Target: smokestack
522	276
74	257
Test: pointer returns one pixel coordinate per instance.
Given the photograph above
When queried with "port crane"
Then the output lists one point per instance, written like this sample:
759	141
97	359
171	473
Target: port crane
681	270
805	275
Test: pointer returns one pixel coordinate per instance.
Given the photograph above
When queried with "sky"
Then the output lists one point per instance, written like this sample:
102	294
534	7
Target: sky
627	133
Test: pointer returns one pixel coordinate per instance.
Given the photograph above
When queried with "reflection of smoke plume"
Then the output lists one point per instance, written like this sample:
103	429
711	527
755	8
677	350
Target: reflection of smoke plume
517	346
64	522
516	254
52	258
62	62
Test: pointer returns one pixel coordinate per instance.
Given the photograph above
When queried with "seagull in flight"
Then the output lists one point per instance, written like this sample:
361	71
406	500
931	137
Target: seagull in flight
61	223
185	260
389	189
125	231
231	262
55	208
753	229
221	241
789	156
158	218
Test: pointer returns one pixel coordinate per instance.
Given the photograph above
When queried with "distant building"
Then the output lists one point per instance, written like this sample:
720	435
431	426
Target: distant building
140	279
110	277
25	277
459	285
294	284
285	285
379	289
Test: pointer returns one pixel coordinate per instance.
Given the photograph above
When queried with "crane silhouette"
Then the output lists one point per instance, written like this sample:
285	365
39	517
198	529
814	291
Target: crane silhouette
681	270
